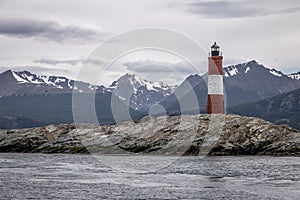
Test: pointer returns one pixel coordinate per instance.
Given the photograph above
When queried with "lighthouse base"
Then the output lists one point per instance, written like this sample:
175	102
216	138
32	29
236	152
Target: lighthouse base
215	104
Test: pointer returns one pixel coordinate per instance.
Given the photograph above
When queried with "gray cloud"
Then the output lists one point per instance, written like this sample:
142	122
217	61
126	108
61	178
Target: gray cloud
93	61
235	9
68	61
46	29
56	62
150	66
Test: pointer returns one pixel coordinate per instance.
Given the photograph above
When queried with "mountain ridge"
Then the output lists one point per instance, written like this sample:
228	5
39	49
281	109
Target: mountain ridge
280	109
244	83
230	73
295	75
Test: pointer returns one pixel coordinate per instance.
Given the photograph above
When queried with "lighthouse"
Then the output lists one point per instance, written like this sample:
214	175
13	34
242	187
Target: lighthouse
215	97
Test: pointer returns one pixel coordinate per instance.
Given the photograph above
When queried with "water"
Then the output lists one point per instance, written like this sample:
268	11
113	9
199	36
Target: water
59	176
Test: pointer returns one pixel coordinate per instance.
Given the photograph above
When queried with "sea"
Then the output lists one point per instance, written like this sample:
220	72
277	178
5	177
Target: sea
74	176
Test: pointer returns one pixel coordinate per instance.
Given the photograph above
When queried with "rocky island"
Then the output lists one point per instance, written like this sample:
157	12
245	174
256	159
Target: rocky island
184	135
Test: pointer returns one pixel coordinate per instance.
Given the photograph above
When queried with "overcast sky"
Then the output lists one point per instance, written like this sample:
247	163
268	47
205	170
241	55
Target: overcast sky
55	37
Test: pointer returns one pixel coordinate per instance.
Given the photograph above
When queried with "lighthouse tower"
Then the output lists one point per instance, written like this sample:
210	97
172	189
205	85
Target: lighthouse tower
215	98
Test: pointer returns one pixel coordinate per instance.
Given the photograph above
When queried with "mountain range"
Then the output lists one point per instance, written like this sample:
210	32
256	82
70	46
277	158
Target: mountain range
243	83
281	109
40	99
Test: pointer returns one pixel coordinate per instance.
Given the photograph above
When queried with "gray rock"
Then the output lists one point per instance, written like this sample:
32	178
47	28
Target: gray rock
179	135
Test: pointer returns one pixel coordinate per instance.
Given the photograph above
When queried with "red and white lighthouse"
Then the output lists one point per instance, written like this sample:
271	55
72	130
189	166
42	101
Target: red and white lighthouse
215	98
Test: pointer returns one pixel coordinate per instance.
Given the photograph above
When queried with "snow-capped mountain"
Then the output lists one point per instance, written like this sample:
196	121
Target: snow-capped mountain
295	76
244	68
59	82
251	81
25	82
138	93
135	83
48	99
55	81
243	83
246	82
25	94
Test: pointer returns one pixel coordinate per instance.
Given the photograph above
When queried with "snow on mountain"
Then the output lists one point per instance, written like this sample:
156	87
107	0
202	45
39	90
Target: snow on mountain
135	83
18	78
247	69
276	72
128	81
25	82
252	81
159	86
58	82
244	68
232	70
295	76
138	93
133	91
28	77
244	82
239	68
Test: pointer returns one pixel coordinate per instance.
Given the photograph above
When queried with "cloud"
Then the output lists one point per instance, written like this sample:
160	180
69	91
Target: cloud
235	9
151	66
93	61
46	29
68	61
56	62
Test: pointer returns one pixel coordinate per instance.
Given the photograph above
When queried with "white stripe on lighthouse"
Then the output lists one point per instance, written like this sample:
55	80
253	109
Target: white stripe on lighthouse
215	84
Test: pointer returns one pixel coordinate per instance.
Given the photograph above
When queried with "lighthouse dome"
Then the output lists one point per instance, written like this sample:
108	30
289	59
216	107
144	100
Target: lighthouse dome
215	45
215	50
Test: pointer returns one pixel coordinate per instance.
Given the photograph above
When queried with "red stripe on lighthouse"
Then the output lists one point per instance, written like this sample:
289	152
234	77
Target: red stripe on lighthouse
215	104
215	65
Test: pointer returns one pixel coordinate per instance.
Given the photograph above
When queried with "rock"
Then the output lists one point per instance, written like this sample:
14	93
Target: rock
177	135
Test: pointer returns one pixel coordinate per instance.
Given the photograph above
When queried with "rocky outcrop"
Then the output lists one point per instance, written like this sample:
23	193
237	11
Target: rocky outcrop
179	135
